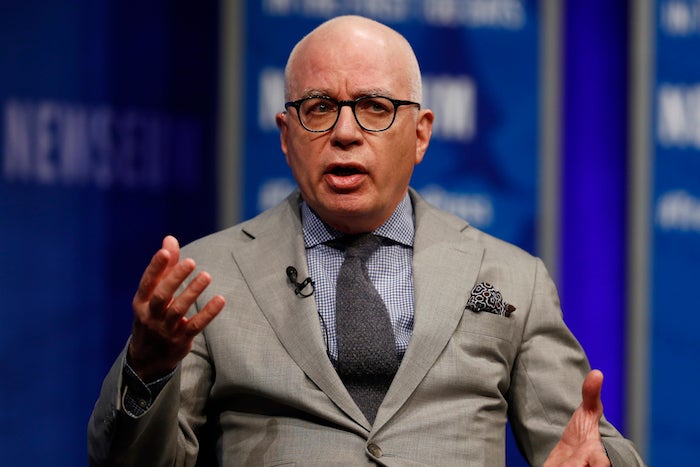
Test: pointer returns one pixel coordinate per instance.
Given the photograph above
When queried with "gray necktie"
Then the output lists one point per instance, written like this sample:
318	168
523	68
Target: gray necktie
367	360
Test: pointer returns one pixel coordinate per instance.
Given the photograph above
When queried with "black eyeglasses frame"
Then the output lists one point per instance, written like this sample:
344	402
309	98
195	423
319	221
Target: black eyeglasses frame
349	103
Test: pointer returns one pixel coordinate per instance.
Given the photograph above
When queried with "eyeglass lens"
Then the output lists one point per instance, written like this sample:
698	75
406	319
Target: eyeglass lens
372	113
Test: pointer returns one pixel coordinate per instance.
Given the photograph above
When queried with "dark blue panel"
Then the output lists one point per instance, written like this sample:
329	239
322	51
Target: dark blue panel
593	187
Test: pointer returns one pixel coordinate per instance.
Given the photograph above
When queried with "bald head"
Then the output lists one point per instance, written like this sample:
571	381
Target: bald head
360	40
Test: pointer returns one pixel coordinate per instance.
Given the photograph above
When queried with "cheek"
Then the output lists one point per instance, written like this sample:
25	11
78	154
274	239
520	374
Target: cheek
293	149
295	164
393	176
402	161
300	159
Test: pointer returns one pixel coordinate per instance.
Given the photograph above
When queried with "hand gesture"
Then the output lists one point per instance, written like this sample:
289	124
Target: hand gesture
161	334
580	445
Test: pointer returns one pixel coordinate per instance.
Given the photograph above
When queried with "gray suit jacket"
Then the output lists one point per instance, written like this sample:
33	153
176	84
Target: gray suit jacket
258	381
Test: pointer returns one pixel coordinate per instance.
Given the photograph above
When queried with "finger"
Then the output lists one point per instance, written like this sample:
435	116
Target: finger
164	258
171	252
198	322
163	294
171	244
151	276
591	390
179	306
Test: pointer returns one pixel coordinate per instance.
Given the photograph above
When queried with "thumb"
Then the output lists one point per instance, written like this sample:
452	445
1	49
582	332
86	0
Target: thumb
592	387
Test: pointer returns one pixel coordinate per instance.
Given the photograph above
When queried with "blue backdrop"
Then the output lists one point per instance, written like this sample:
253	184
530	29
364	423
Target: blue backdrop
107	111
675	216
107	143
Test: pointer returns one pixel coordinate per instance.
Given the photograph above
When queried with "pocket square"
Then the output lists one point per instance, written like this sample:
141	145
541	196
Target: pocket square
485	298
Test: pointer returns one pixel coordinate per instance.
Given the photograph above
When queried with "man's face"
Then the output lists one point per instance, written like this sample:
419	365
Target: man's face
353	179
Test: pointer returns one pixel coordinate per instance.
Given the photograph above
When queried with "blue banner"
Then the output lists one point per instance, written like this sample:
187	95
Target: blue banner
107	119
674	431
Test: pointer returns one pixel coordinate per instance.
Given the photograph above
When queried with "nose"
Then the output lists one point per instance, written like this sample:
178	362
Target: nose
346	130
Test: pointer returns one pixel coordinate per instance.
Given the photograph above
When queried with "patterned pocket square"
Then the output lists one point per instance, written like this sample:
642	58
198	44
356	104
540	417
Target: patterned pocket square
485	298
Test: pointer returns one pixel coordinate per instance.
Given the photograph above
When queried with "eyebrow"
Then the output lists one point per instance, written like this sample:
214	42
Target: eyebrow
315	93
361	93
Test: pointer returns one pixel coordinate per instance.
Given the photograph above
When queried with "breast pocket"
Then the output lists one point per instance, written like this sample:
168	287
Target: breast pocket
478	359
488	324
485	340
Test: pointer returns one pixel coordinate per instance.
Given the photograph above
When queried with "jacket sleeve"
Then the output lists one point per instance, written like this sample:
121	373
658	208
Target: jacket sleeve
158	437
546	381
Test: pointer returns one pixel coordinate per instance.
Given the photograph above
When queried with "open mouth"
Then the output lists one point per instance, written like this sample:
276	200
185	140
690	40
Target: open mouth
344	171
345	178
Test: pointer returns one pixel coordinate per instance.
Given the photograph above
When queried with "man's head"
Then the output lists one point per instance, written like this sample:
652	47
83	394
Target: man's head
354	178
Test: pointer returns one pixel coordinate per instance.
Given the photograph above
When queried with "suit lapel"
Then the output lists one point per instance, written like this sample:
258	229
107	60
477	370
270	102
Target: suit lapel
445	268
277	242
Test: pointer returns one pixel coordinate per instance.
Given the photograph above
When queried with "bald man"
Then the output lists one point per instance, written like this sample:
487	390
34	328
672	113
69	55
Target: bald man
475	332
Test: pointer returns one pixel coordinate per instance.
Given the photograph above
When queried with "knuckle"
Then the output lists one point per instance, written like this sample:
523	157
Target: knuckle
177	310
158	300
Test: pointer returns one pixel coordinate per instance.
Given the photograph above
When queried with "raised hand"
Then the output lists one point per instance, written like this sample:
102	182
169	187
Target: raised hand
161	334
580	445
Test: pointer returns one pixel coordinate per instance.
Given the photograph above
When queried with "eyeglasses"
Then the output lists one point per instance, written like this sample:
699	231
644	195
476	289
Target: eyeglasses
372	113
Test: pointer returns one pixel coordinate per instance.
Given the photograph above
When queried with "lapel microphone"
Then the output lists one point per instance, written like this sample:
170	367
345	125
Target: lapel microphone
299	287
292	275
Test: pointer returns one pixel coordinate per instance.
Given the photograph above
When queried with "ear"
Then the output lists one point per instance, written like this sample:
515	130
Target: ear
283	125
424	130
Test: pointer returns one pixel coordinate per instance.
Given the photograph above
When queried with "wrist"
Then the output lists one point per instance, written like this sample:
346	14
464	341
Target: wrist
145	368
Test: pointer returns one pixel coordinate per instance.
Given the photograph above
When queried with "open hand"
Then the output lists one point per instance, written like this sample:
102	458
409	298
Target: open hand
162	335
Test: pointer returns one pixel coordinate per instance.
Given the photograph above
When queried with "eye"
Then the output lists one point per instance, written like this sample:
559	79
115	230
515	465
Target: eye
319	105
375	105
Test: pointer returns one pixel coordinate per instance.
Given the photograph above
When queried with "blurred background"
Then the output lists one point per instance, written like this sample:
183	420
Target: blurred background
569	128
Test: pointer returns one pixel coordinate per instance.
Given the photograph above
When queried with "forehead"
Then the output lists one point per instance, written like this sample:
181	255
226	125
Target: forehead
350	61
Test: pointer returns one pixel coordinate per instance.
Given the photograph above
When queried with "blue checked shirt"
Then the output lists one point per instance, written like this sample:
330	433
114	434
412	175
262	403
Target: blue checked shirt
390	270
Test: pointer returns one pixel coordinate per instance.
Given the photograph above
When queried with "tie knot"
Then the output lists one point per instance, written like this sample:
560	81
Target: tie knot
361	245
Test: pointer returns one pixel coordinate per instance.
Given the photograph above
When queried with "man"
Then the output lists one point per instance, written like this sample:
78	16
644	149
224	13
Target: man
476	331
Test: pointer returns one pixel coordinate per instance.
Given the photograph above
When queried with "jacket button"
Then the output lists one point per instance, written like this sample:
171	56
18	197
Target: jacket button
375	450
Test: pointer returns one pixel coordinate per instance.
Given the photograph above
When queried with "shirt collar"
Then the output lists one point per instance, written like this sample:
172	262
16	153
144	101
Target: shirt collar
399	227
